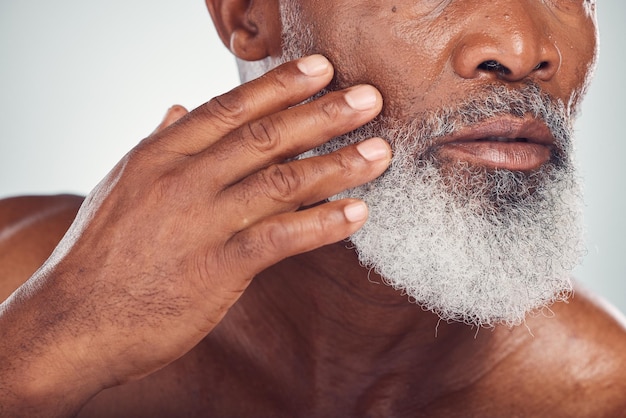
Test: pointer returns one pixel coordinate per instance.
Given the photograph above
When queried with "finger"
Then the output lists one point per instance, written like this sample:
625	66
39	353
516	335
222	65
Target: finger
173	114
266	243
285	86
291	132
290	186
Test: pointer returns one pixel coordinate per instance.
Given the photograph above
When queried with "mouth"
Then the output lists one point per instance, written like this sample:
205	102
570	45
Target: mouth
503	143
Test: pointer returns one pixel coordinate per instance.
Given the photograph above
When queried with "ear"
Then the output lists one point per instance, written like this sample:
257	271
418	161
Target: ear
251	29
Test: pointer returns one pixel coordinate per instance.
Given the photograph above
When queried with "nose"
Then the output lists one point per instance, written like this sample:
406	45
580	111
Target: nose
510	45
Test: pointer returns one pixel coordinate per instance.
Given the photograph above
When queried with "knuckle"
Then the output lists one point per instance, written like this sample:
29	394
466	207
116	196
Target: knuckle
331	109
228	108
142	154
343	162
280	182
279	237
170	184
211	262
281	78
325	223
264	134
249	247
136	167
275	236
268	241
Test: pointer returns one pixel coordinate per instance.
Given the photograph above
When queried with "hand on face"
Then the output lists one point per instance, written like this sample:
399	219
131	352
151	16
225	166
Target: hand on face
170	239
482	102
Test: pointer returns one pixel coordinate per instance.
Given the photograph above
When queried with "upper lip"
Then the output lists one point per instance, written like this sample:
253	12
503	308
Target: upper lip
525	129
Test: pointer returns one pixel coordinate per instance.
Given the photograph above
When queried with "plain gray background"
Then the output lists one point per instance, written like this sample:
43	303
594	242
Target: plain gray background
82	81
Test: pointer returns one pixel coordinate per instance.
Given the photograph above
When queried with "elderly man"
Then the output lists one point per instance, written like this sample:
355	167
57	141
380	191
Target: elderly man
206	274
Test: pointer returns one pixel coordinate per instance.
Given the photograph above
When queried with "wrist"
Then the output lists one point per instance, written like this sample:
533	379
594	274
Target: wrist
43	372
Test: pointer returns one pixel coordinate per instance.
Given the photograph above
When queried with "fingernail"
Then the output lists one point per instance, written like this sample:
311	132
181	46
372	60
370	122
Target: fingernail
373	149
355	212
313	65
361	97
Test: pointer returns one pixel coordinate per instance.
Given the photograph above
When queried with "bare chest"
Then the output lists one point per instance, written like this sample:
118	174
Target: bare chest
226	388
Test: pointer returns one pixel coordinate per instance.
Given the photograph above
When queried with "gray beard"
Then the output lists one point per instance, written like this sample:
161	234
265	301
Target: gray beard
471	245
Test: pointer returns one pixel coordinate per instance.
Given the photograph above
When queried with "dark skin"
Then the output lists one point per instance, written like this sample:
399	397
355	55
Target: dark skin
189	284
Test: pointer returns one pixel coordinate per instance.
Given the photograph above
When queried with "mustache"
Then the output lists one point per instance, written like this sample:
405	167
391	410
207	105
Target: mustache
420	134
415	138
492	101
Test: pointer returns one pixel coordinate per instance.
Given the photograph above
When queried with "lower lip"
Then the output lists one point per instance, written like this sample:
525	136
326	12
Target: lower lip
514	156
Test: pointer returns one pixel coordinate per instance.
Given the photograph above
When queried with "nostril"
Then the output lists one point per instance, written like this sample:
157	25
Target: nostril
494	66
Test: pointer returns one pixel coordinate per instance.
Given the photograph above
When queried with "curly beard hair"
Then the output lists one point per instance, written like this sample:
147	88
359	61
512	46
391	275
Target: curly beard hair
479	246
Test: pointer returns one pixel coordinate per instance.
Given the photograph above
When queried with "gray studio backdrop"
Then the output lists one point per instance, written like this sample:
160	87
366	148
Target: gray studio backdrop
82	81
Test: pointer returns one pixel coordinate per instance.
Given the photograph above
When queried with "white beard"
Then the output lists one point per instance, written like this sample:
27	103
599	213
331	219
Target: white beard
474	246
471	245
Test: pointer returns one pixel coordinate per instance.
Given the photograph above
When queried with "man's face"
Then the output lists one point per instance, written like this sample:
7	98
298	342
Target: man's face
477	219
424	54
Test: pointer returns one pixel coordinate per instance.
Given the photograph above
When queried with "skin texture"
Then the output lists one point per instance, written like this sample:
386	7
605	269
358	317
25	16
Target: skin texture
147	305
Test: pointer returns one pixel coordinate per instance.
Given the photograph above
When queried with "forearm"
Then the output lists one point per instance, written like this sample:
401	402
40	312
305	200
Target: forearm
42	363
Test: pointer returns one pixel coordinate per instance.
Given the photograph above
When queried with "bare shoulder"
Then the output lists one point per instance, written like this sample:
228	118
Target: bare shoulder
595	331
30	228
575	359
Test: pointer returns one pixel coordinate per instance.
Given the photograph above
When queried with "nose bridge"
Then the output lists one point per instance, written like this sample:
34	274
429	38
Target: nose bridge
508	40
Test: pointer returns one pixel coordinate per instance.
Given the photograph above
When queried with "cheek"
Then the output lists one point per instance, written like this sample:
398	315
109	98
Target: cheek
405	62
579	51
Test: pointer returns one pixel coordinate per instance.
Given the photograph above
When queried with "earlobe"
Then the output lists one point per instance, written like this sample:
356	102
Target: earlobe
249	28
244	44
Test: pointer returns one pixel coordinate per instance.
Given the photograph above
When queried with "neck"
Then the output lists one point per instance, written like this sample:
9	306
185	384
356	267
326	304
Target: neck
324	318
341	311
352	301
